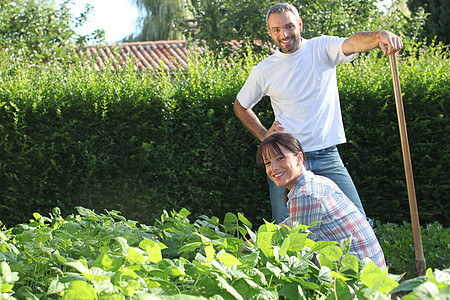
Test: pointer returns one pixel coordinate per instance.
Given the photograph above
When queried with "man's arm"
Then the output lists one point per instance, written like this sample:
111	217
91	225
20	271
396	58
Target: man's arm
253	124
367	40
250	120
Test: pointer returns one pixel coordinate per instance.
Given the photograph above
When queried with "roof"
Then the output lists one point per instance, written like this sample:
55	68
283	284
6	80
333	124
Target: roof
170	55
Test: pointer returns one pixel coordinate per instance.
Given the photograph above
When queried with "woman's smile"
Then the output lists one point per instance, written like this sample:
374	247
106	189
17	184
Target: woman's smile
284	168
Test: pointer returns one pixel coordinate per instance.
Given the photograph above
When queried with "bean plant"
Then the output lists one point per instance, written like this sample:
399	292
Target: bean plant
93	255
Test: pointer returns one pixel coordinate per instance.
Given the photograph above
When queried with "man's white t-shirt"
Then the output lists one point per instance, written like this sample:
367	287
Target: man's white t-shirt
302	87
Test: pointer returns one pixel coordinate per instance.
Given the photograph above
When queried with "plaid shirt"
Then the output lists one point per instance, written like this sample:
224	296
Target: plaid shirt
316	198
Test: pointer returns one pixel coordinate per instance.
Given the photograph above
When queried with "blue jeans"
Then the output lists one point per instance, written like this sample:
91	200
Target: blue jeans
325	162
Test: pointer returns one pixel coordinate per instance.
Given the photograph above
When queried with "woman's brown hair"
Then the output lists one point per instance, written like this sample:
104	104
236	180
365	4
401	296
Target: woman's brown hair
272	143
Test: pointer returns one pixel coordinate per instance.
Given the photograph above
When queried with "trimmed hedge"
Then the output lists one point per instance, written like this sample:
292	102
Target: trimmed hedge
141	143
398	246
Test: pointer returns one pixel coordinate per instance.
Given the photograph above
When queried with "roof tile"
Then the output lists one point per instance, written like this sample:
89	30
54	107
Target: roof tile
168	55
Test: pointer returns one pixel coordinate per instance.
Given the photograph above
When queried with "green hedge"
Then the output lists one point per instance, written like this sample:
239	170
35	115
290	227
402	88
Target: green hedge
141	143
398	247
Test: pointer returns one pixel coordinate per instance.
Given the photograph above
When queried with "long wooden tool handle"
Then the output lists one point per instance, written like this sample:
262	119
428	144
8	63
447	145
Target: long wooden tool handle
420	259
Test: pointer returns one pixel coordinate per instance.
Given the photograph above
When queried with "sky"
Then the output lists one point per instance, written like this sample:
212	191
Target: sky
117	17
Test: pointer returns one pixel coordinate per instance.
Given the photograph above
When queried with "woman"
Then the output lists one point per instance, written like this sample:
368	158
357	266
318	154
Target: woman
314	198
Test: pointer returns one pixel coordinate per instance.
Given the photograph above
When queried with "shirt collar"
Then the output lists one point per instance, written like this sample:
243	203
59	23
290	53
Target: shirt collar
285	55
301	181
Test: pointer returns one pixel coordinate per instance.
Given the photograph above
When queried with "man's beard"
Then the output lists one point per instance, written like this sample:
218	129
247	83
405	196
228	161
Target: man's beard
293	46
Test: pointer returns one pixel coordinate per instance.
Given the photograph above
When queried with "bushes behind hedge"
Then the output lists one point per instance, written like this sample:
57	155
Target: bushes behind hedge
143	142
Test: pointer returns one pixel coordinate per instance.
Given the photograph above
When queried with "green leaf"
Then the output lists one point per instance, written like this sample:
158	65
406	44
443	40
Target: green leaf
342	289
84	211
28	235
325	275
190	247
210	252
97	274
264	242
251	234
130	287
244	220
230	221
78	265
56	287
223	284
184	212
80	290
297	241
202	237
427	290
409	285
292	291
124	276
306	284
174	272
153	249
25	292
228	259
376	279
298	266
351	262
249	261
276	271
250	290
43	237
144	243
123	244
134	256
108	262
71	227
324	261
268	227
333	253
345	245
5	288
322	244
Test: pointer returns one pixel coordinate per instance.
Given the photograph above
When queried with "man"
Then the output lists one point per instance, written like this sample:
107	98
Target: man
300	79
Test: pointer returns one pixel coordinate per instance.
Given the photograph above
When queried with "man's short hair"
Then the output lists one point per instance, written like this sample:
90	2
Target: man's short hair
282	7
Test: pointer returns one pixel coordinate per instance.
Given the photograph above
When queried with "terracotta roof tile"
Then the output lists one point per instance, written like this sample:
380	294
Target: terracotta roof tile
168	55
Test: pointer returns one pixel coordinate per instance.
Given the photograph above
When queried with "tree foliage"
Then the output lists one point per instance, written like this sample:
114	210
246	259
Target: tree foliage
37	30
158	20
220	21
437	24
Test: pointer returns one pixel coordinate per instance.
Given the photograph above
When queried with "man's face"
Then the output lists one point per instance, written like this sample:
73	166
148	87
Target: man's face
285	28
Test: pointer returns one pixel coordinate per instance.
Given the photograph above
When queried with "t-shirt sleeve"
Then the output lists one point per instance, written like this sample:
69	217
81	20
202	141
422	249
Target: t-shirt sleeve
333	49
252	91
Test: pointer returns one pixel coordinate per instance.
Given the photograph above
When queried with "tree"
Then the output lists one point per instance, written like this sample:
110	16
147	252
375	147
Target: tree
220	21
159	20
36	30
437	24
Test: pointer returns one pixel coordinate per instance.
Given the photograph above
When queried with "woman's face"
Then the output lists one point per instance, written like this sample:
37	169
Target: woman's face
283	168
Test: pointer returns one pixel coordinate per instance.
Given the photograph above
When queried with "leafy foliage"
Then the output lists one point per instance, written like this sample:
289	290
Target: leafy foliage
398	246
219	22
142	143
158	20
373	153
106	256
31	29
437	25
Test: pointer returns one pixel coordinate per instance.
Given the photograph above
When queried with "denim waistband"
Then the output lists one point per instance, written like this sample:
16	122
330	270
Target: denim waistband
321	151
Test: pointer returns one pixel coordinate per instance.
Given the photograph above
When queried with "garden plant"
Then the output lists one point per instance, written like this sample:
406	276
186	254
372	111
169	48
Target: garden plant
105	256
